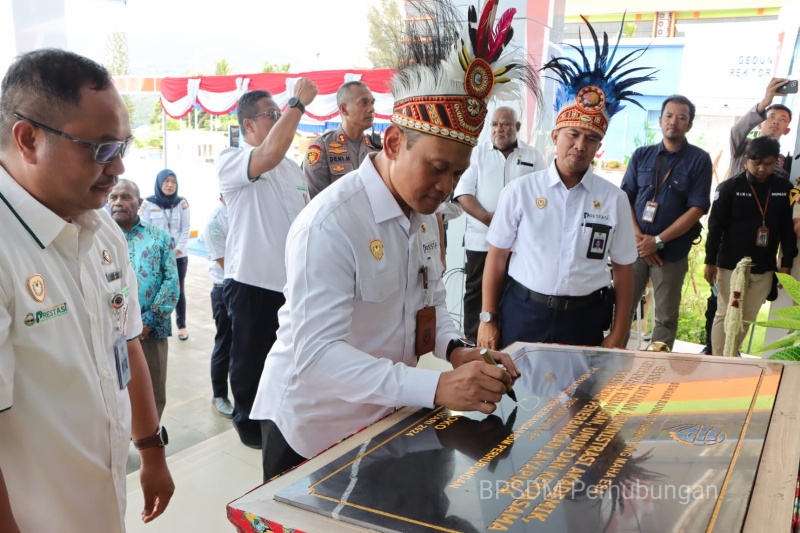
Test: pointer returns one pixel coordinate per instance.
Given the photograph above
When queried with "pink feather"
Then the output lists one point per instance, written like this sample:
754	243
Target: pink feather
498	38
485	27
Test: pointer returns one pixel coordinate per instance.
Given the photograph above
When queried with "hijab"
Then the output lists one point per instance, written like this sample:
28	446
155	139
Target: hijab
159	198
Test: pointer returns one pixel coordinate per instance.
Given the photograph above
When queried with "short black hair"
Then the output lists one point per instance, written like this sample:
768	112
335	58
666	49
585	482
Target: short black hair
779	107
46	85
680	100
248	105
762	147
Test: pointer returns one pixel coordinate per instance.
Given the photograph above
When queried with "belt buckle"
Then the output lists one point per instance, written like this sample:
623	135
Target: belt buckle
559	304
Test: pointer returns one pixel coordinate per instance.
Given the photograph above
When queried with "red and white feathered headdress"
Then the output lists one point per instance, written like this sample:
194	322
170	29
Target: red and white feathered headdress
445	77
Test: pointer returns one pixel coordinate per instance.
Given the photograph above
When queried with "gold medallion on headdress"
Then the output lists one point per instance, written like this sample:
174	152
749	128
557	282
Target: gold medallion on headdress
591	98
479	79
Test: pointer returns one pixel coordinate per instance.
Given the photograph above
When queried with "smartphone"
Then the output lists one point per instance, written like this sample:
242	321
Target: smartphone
789	87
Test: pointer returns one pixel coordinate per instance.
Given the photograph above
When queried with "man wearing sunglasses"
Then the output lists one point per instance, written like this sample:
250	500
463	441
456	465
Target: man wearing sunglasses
74	385
264	191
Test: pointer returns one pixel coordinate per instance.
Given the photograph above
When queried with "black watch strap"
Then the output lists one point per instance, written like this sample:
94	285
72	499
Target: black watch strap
458	343
295	102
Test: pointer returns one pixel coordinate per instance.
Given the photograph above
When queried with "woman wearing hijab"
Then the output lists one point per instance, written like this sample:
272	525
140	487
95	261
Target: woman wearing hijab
170	212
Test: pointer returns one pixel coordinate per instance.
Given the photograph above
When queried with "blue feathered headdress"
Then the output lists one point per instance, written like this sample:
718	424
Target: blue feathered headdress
589	96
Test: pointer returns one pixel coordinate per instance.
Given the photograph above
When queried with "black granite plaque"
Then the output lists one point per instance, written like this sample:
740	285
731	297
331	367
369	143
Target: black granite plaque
598	442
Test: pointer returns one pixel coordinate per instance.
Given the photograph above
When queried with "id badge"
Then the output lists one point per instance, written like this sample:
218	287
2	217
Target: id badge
649	213
123	362
762	236
426	331
598	242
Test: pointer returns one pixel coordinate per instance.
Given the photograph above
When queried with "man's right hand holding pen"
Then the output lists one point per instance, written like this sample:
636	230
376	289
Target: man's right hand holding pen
474	385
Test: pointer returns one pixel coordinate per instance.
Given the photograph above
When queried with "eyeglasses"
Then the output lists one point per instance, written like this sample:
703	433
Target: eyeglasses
272	114
104	152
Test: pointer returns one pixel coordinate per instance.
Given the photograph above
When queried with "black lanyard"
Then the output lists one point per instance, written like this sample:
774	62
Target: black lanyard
656	185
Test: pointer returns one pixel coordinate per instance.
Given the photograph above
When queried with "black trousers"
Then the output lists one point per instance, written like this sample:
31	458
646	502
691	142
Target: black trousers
473	296
254	325
180	308
220	355
276	455
522	319
473	291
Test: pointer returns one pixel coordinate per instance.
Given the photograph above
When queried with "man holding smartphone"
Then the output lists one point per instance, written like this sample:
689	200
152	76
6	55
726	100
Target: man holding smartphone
771	119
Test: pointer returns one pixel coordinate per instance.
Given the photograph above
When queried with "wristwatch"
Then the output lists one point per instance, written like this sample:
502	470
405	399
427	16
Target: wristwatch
487	316
659	243
160	439
295	102
458	343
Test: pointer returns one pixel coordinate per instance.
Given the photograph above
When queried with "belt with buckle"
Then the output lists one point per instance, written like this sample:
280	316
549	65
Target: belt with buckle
559	303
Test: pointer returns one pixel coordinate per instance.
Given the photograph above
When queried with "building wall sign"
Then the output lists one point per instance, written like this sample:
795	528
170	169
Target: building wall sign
733	60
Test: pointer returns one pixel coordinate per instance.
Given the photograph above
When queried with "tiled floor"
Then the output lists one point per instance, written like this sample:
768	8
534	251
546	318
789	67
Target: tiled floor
208	463
188	415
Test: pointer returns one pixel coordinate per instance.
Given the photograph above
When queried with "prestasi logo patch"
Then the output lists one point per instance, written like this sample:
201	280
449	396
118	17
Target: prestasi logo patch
596	216
46	314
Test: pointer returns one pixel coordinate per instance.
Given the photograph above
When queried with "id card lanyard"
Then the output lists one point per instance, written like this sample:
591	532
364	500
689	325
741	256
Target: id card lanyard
650	208
426	321
762	233
118	303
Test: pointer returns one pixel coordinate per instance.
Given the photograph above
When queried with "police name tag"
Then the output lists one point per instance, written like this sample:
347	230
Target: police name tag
123	362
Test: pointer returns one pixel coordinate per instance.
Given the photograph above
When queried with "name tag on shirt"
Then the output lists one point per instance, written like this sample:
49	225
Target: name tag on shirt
598	242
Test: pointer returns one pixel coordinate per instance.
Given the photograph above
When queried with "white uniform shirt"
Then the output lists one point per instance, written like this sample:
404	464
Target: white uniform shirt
549	227
175	221
214	235
344	356
65	425
489	171
260	213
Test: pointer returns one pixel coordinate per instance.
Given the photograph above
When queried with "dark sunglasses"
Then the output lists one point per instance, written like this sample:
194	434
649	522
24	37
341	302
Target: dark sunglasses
104	152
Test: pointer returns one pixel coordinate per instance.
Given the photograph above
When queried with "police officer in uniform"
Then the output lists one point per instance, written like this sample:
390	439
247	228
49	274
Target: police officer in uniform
342	150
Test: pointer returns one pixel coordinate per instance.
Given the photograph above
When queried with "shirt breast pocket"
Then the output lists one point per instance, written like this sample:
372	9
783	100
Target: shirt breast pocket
644	177
378	288
680	183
